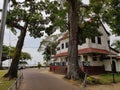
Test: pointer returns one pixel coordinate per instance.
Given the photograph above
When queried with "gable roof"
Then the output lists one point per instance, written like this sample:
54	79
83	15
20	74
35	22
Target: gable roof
66	34
104	28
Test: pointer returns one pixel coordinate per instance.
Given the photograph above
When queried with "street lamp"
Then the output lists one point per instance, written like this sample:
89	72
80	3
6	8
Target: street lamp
2	27
112	67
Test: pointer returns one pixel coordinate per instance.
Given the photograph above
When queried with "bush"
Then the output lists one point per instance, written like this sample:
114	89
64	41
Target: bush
91	80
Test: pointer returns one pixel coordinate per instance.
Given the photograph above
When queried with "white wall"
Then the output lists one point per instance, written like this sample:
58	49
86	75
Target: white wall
60	45
117	65
104	40
107	64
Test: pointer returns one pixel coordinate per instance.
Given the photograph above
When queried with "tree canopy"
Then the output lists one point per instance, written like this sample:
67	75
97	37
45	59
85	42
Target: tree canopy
8	52
48	46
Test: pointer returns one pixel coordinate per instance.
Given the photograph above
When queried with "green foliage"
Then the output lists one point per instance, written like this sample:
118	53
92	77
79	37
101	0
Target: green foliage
8	52
39	65
108	78
25	56
49	45
109	12
26	15
5	52
116	45
91	80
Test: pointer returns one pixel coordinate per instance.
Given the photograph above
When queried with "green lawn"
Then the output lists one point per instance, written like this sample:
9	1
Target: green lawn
108	78
5	83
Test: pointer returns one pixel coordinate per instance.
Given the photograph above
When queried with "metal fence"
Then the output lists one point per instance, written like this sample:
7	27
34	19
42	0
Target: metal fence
17	83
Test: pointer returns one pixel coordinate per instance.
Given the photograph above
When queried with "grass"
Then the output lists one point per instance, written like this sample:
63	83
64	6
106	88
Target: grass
105	79
108	78
5	83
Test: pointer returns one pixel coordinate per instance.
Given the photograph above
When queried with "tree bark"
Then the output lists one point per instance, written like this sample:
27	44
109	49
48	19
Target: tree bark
12	73
73	70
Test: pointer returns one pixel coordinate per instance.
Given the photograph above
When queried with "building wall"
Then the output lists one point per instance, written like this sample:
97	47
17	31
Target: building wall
104	41
107	64
117	65
60	46
93	63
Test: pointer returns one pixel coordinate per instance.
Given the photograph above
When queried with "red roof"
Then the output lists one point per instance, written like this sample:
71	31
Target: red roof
93	50
65	36
86	50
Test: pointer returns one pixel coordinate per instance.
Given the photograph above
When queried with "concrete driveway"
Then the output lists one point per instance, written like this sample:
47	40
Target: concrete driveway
35	79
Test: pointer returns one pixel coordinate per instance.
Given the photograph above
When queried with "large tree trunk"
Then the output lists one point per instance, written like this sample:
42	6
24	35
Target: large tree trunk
12	73
73	71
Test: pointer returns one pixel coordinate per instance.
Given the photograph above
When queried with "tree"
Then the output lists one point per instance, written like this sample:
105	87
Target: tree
111	15
25	16
8	53
79	29
116	45
108	11
25	56
5	52
30	14
39	65
48	46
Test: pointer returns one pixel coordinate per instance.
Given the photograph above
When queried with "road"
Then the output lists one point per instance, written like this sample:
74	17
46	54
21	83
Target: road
34	79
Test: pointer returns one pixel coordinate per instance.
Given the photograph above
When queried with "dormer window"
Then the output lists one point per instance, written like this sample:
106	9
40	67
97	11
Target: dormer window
62	45
99	40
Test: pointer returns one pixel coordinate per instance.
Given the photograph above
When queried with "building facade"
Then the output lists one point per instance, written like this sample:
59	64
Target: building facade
95	55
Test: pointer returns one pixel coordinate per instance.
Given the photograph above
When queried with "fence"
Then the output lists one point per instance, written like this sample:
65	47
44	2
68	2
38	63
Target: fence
17	83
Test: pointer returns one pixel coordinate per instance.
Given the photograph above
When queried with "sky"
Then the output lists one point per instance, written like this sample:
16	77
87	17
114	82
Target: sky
30	45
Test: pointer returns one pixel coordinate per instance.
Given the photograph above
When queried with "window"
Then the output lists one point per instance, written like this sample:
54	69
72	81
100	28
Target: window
66	44
99	40
94	58
93	39
63	46
85	58
108	42
58	48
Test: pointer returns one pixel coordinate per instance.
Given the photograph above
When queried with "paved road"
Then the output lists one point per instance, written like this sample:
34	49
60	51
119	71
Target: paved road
34	80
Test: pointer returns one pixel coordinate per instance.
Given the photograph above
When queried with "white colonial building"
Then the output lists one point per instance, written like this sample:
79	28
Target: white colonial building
95	54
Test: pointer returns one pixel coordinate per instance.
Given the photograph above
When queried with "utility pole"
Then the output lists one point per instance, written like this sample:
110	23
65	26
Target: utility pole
2	27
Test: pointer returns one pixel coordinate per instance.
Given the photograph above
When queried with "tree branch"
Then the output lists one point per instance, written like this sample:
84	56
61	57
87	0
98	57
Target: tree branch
16	26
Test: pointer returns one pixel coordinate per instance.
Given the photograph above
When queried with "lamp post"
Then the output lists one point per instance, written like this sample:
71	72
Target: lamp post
2	27
112	68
